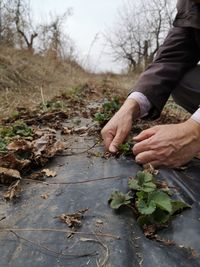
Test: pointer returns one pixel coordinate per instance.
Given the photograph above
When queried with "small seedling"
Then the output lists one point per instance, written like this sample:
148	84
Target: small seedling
51	105
154	205
107	111
7	133
125	149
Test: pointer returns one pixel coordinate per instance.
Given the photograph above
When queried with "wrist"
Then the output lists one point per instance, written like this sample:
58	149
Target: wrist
194	128
132	107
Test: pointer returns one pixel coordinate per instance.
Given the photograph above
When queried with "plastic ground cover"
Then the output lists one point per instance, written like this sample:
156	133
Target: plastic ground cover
91	247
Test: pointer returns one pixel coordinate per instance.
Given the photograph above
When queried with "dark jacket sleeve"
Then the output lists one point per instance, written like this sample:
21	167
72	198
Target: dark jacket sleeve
176	56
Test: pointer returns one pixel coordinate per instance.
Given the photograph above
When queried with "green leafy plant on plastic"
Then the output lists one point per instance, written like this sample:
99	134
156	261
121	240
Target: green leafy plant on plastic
107	111
154	205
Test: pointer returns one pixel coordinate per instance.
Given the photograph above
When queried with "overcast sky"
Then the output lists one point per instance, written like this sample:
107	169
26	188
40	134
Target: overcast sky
89	20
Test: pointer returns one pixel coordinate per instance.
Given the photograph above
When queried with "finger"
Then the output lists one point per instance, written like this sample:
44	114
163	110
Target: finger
142	146
117	141
146	157
107	140
144	135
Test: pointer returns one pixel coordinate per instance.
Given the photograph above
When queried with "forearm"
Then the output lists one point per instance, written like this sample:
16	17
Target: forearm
176	56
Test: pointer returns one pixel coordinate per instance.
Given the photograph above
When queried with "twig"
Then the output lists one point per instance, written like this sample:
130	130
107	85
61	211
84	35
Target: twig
57	231
133	209
42	96
103	264
50	250
3	218
78	182
79	153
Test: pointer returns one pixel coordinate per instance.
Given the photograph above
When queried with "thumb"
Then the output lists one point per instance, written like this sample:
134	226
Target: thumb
117	141
144	135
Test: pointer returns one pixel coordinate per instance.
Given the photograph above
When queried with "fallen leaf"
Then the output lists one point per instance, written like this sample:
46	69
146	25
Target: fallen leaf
81	130
66	130
73	220
49	173
38	176
7	176
10	161
45	196
13	191
149	231
19	144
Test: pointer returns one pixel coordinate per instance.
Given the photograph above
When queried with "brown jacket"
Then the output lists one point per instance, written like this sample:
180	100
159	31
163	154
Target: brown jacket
179	53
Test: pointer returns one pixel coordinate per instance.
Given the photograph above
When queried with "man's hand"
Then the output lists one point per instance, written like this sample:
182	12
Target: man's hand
168	145
118	128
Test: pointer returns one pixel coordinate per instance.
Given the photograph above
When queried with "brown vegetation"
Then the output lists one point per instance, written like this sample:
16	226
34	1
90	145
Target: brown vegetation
25	79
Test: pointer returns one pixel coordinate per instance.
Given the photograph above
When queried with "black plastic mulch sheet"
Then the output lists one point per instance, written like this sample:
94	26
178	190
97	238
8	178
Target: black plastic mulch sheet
91	248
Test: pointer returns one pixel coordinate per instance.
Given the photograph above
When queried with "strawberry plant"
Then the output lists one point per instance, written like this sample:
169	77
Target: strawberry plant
154	204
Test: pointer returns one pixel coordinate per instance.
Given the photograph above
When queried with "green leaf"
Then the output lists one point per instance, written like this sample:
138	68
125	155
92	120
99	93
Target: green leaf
146	186
142	195
146	209
143	220
160	216
162	200
178	205
149	187
133	184
144	177
3	146
118	199
125	149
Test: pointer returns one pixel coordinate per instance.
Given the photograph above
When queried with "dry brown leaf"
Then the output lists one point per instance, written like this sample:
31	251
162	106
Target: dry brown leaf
19	144
7	176
81	130
149	231
11	162
49	173
73	220
66	130
36	176
13	191
45	196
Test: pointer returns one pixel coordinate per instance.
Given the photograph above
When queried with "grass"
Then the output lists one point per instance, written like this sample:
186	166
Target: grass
24	76
27	80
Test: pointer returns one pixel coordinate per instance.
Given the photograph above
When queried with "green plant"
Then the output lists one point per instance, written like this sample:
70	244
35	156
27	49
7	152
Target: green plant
3	146
19	128
107	111
125	149
51	105
154	204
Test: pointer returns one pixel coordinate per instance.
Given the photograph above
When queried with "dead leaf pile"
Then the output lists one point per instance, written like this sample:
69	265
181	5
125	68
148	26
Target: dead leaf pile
22	155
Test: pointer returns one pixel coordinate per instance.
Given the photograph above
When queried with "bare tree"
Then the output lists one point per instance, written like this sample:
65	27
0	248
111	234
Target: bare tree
17	29
140	30
53	40
6	25
17	17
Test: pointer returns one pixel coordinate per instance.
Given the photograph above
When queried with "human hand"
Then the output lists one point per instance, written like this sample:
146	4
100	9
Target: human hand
168	145
118	128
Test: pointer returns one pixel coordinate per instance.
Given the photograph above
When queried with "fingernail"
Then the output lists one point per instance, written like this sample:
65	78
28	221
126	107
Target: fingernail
112	149
138	160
